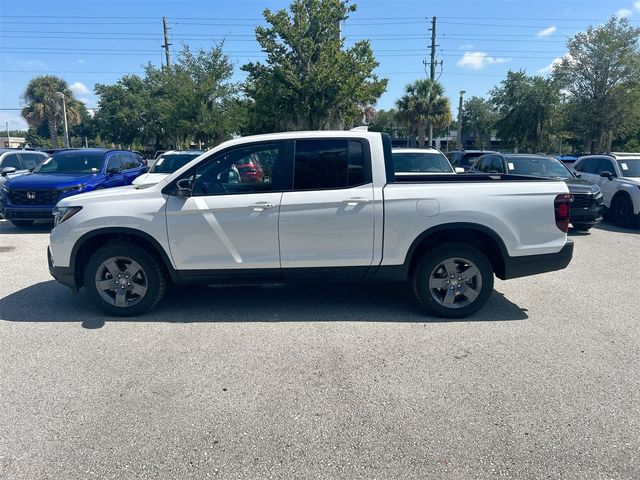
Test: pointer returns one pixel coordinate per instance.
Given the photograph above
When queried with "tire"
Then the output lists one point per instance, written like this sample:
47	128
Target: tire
622	211
463	259
22	223
582	227
145	285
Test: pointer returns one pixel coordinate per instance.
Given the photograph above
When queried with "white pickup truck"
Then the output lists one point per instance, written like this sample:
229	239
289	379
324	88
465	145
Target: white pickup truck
318	206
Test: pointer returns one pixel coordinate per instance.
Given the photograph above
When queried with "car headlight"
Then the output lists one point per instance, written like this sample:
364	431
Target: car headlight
62	214
75	188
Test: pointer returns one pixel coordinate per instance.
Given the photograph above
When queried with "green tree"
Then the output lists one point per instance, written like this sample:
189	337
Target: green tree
44	107
479	119
525	107
422	104
387	121
601	73
309	80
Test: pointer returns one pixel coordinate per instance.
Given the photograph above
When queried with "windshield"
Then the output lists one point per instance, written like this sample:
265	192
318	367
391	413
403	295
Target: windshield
172	162
72	162
538	167
630	167
427	162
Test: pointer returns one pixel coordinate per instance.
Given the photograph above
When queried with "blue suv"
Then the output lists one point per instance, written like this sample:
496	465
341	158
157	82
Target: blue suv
33	196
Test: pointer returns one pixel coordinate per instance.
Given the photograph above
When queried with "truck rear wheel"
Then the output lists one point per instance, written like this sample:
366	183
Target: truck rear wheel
453	280
124	280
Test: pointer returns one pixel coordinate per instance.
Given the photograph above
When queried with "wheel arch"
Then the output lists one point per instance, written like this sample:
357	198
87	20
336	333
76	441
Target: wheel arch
92	241
479	236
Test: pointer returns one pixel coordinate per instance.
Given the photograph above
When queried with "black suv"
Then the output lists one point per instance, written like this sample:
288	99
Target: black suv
466	158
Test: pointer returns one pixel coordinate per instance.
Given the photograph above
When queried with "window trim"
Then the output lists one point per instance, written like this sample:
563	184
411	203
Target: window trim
366	154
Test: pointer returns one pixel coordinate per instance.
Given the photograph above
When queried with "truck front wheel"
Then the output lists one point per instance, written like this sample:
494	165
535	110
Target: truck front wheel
124	280
453	280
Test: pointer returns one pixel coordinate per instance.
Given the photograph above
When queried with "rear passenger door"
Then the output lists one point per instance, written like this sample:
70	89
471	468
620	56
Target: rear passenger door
328	218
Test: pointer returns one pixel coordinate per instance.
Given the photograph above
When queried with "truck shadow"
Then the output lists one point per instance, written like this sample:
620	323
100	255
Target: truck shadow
51	302
610	227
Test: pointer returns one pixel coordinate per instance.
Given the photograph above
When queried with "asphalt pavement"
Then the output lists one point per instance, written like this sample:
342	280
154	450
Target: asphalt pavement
332	381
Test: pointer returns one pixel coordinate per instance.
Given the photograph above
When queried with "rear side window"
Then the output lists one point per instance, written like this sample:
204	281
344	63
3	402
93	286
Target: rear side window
329	164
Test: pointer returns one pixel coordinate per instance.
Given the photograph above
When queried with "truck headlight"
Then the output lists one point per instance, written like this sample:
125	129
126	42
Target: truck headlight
62	214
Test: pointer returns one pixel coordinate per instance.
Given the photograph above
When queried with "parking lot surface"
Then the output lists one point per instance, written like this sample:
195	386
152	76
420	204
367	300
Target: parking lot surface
331	381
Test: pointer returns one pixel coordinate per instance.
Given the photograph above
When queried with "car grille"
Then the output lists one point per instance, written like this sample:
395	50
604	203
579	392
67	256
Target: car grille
33	197
581	201
27	215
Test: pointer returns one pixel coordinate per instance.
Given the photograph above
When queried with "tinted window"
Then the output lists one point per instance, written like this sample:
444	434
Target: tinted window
605	165
11	160
327	164
223	175
537	167
469	159
433	162
589	165
72	162
630	167
31	160
114	162
128	161
172	162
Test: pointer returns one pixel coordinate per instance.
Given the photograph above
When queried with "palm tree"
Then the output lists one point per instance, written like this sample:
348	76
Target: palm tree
422	105
43	105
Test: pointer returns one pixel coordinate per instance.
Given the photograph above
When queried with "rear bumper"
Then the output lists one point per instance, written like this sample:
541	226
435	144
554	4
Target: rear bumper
64	275
516	267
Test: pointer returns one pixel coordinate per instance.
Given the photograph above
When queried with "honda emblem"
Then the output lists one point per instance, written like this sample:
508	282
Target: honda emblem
31	195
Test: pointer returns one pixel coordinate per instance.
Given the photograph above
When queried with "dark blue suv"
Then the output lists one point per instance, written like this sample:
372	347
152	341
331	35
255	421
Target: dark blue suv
33	196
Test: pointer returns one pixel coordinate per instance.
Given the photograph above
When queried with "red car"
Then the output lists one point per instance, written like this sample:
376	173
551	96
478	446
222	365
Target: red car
250	170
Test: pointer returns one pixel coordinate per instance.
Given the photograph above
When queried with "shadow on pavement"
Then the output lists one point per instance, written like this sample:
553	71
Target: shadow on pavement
51	302
8	228
609	227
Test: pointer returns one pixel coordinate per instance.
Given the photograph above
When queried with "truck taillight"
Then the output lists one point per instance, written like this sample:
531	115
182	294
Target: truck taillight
561	207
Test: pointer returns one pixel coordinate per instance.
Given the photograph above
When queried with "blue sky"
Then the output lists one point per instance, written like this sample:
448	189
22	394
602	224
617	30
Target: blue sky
97	41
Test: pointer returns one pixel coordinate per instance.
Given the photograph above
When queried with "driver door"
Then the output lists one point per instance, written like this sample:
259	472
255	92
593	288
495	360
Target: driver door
229	222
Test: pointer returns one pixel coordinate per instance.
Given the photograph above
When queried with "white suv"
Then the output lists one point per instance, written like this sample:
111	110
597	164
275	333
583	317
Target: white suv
618	175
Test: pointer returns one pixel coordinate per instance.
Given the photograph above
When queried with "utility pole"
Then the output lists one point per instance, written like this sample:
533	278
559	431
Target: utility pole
432	69
8	136
166	45
459	133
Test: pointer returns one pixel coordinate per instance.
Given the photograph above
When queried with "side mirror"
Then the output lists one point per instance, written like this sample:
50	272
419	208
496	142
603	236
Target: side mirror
113	171
184	187
607	174
459	170
7	170
578	175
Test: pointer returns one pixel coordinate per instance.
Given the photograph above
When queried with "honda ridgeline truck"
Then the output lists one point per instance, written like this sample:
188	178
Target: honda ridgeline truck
327	208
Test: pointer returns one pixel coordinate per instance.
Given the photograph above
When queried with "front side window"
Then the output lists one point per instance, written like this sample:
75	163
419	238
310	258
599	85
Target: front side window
589	165
495	165
241	170
72	162
328	164
605	165
114	162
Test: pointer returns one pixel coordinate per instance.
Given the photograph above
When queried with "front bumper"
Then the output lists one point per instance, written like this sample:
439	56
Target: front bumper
589	213
64	275
515	267
38	213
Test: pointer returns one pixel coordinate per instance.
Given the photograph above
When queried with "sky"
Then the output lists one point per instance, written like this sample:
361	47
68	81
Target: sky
98	41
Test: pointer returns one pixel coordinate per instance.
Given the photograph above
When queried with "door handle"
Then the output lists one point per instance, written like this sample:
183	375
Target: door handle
261	206
352	202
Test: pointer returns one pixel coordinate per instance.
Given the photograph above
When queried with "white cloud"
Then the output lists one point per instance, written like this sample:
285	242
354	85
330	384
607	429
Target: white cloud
478	60
81	60
549	68
636	5
623	13
556	61
16	122
547	31
79	88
